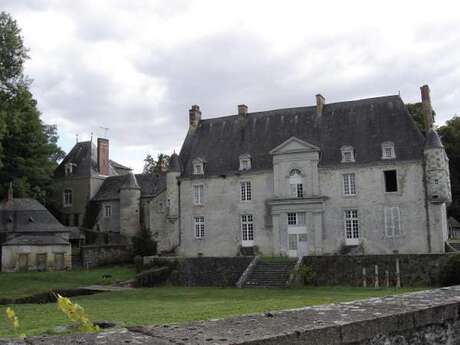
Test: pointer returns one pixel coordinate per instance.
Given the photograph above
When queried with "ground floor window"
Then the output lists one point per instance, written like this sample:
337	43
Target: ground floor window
351	224
199	227
247	227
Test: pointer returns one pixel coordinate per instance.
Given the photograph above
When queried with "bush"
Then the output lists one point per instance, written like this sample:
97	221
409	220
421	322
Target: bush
153	277
450	273
306	274
143	245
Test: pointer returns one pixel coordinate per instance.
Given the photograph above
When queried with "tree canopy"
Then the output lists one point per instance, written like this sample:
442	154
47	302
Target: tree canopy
28	148
152	166
450	136
415	110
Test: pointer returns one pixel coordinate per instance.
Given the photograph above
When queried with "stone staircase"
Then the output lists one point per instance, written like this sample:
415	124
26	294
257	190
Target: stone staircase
271	273
454	245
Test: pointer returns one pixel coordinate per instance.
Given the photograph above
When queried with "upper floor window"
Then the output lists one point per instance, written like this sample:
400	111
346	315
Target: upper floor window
245	162
349	184
198	166
68	198
108	211
351	227
348	154
392	221
296	218
388	150
391	180
68	169
199	227
296	183
246	192
198	193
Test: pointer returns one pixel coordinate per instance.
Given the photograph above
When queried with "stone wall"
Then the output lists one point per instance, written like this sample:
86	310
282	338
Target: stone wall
100	255
427	317
415	270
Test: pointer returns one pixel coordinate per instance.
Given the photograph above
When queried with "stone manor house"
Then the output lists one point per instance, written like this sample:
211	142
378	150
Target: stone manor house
348	177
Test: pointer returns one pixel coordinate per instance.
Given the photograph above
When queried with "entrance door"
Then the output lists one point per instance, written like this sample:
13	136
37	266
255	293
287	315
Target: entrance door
23	262
59	261
297	244
41	262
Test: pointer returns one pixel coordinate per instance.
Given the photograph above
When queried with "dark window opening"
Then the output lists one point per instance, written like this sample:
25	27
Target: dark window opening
391	181
76	219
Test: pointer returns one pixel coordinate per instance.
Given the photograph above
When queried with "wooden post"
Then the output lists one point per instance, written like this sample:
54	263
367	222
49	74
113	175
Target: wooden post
398	275
387	279
376	281
364	278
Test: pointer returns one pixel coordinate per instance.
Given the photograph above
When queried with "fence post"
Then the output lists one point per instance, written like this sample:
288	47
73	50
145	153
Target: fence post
376	281
398	275
364	278
387	278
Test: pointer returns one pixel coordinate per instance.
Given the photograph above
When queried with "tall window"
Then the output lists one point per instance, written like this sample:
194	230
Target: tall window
246	192
198	192
68	197
388	150
296	218
199	227
392	222
108	211
351	224
349	184
296	183
247	229
391	180
348	154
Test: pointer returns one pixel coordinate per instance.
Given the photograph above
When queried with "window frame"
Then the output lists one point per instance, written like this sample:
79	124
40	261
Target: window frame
199	227
385	181
296	218
351	226
349	184
67	197
391	230
247	228
296	183
245	159
195	188
245	191
348	150
108	208
388	145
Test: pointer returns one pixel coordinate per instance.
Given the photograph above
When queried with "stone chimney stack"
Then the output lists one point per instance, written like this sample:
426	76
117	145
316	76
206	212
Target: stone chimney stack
10	193
242	109
426	107
194	116
103	156
320	102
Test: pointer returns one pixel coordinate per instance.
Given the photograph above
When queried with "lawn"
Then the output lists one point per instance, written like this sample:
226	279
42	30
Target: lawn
14	285
174	304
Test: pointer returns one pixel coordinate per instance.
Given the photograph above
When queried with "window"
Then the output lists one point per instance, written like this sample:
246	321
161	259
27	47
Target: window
198	191
246	193
68	168
348	154
68	197
351	225
388	150
349	184
76	219
391	181
245	162
392	221
108	211
198	166
199	227
296	218
247	229
296	183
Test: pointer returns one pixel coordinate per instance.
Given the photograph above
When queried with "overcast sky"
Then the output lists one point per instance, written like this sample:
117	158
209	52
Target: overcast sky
136	66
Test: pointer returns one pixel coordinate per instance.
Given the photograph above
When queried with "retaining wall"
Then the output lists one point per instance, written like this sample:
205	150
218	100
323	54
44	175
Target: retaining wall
100	255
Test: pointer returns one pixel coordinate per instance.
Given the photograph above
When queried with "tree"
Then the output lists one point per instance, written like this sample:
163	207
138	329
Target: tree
416	111
28	148
152	166
450	136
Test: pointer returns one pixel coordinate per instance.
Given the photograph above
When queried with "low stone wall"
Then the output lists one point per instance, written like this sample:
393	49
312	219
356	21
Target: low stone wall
204	271
100	255
428	318
415	270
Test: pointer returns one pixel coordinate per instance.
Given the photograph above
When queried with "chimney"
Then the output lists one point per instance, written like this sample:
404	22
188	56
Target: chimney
103	156
242	109
194	116
320	102
427	110
10	193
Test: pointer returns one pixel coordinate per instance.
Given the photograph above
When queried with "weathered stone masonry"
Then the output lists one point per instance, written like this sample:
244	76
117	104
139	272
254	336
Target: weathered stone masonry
428	317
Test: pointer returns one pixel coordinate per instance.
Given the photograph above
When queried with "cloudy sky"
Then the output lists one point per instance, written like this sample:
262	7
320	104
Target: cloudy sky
136	66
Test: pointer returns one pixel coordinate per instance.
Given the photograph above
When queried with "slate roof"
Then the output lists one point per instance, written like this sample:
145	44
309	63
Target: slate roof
84	157
363	124
34	240
150	185
120	168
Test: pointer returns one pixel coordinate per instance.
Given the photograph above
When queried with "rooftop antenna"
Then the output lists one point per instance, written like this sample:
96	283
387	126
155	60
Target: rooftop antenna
91	136
399	93
76	138
106	129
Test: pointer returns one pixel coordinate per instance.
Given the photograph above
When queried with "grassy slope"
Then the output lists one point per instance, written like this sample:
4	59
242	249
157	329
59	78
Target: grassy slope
171	304
13	285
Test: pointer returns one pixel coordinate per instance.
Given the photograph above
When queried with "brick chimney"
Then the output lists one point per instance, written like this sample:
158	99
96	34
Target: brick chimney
103	156
194	116
242	109
320	102
426	107
10	193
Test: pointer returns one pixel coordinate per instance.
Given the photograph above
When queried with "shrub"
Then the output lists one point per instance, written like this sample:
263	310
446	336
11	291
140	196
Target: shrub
450	273
306	274
143	245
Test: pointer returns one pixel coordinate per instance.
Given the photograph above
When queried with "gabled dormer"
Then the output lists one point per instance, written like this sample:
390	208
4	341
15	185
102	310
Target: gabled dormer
198	166
245	162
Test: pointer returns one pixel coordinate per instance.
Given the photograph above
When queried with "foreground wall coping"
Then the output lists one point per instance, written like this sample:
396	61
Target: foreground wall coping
357	322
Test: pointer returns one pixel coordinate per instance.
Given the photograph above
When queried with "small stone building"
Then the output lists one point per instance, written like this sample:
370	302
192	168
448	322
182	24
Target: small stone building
31	238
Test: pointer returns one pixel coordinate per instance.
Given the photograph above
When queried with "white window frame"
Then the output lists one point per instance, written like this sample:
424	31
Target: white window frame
388	150
349	184
245	162
247	230
198	194
67	197
392	217
107	211
296	182
351	227
199	227
296	218
348	154
245	191
198	166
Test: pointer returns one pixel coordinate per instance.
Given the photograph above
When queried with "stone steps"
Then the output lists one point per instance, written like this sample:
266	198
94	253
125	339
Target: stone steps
270	273
455	245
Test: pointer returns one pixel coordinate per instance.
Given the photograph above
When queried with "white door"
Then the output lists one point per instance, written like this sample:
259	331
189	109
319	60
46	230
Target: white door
297	244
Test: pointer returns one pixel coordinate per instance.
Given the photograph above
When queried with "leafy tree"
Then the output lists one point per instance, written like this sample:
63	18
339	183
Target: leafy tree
416	111
152	166
28	148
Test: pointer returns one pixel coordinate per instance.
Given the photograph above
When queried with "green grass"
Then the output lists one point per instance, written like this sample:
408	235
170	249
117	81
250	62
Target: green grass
14	285
172	305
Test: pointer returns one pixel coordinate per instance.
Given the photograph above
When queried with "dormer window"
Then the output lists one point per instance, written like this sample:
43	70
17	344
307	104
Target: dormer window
245	162
348	154
198	166
388	150
68	168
